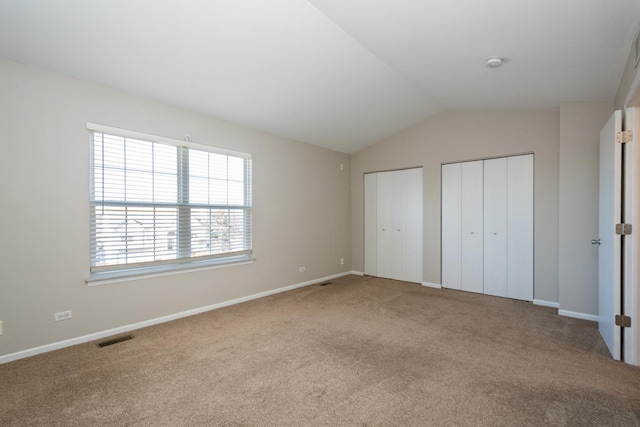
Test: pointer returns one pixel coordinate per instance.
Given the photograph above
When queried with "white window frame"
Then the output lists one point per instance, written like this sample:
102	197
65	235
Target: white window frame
121	272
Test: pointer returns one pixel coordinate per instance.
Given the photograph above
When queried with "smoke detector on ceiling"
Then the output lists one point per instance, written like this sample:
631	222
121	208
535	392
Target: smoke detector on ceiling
494	61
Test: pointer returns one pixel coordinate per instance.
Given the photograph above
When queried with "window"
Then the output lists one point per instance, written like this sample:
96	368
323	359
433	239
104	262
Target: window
160	204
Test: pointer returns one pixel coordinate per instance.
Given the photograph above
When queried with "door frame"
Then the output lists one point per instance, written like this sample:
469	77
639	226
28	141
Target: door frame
631	211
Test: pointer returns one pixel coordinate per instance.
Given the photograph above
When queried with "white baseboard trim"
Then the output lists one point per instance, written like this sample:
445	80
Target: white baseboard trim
583	316
432	285
357	273
122	329
546	303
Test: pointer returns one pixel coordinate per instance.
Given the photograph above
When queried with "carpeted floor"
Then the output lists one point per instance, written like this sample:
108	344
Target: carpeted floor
360	351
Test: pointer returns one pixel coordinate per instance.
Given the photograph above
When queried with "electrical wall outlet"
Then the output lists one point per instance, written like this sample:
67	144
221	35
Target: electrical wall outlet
302	269
63	315
0	327
341	261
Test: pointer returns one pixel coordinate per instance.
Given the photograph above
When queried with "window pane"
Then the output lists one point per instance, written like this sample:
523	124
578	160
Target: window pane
201	232
125	235
236	193
165	159
198	163
139	155
218	166
236	169
198	190
165	188
218	192
139	186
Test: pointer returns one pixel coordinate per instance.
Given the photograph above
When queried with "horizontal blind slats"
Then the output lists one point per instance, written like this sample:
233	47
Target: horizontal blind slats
136	214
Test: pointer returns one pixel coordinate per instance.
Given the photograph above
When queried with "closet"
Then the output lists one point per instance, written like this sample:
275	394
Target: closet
487	226
393	224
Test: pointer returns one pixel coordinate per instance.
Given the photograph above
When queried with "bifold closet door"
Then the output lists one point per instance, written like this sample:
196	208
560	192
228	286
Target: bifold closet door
520	227
495	227
393	224
487	226
451	226
414	225
392	228
472	230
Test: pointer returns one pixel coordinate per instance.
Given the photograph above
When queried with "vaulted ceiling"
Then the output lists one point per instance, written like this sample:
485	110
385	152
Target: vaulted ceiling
342	74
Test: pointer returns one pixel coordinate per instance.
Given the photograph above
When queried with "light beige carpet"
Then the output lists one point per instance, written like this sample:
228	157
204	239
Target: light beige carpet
360	351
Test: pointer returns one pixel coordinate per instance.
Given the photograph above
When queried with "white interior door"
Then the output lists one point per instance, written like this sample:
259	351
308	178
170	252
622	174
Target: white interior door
451	226
495	227
520	227
609	248
472	226
391	222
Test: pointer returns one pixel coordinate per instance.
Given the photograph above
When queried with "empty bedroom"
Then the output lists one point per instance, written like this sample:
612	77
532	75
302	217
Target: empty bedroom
319	213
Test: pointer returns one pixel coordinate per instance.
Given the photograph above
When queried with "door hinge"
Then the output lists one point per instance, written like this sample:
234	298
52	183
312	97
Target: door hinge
623	229
623	321
624	136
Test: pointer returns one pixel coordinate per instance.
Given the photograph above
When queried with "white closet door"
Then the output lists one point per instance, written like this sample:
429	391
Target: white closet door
414	225
495	227
451	226
391	219
370	224
520	227
472	226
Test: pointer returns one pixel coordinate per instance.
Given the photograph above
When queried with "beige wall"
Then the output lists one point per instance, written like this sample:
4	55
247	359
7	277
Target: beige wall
580	125
627	82
301	211
455	136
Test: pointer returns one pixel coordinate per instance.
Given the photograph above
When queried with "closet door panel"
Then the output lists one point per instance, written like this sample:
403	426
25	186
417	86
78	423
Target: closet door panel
391	222
370	224
414	225
451	226
495	227
472	226
520	227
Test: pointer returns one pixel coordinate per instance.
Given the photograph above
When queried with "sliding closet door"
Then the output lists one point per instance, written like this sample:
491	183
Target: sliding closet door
472	226
520	227
451	226
370	224
392	217
495	227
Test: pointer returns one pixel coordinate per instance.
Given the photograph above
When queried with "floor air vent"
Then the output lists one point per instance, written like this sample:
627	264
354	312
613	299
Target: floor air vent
115	341
325	283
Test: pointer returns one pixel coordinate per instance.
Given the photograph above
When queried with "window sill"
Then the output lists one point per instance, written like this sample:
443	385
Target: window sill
126	275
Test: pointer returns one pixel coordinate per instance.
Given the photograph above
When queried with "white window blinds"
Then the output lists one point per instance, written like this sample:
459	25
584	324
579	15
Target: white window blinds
156	201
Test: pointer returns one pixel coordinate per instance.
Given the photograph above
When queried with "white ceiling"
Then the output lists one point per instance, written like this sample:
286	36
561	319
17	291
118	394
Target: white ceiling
342	74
